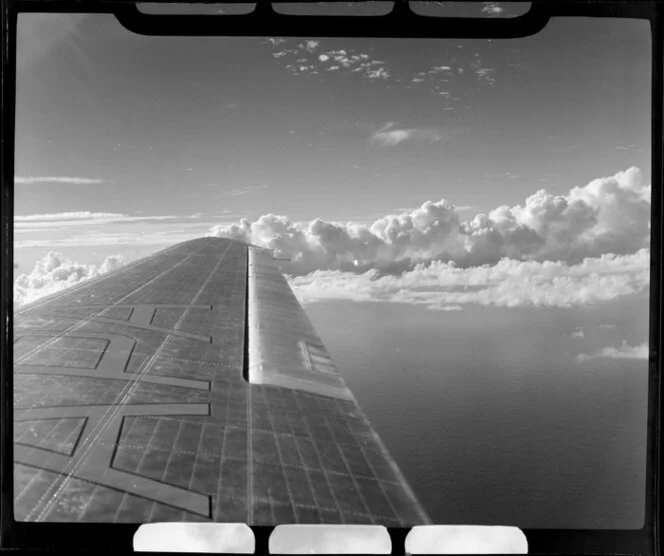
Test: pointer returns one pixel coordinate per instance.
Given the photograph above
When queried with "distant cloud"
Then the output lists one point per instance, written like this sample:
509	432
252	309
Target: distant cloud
53	273
484	74
305	59
142	238
387	136
35	222
309	46
59	216
623	352
57	179
582	248
578	333
275	41
608	216
239	191
508	175
230	106
607	326
493	8
433	71
509	283
377	73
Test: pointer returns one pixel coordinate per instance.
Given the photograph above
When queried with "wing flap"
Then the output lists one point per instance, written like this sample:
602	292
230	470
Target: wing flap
299	398
284	348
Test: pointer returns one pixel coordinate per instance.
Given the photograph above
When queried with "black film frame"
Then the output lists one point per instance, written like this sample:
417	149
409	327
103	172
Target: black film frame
265	21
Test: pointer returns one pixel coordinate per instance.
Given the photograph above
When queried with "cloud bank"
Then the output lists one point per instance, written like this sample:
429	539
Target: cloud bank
609	215
306	57
623	352
509	283
54	272
582	248
588	246
387	136
27	180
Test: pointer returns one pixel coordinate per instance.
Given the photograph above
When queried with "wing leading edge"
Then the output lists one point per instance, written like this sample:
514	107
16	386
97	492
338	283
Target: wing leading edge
131	403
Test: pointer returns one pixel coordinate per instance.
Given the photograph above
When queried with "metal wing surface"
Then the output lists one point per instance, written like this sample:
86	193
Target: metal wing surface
191	386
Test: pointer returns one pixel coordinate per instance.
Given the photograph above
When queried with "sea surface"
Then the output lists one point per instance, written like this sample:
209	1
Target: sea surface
491	417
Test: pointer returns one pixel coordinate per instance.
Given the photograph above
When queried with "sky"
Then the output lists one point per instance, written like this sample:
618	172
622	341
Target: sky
147	141
449	176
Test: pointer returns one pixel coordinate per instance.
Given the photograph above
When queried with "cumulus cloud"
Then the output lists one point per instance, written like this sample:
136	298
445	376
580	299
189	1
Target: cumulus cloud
623	352
387	136
483	73
578	333
57	179
376	73
433	73
607	216
309	45
53	273
308	58
509	283
588	246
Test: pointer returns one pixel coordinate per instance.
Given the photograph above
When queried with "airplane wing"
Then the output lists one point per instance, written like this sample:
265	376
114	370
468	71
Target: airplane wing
191	386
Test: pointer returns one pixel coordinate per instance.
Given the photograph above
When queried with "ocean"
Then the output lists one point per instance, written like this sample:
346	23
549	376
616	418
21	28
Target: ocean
491	417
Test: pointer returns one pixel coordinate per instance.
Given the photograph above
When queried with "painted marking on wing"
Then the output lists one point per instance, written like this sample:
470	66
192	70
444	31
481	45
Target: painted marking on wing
98	468
130	387
75	462
112	363
88	319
